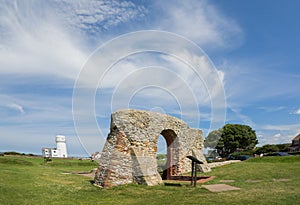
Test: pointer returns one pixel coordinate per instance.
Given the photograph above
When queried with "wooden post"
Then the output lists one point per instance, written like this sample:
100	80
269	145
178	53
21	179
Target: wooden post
192	176
195	175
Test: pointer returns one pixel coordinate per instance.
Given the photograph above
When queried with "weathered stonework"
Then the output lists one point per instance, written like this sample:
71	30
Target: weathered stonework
129	154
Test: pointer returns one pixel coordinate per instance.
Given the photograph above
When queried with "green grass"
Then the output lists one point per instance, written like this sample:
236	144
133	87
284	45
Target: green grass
25	180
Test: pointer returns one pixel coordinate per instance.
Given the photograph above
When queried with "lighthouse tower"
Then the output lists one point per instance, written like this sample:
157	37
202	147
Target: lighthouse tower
61	146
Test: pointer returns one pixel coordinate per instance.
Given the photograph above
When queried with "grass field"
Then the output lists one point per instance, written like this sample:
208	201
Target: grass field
268	180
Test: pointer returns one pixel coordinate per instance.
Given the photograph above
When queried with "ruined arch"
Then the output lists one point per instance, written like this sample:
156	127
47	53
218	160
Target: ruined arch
129	154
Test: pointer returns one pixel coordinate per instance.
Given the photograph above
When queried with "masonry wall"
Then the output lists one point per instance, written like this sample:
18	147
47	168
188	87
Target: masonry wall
129	154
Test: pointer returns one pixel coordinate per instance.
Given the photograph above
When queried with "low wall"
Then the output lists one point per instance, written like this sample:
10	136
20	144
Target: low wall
218	164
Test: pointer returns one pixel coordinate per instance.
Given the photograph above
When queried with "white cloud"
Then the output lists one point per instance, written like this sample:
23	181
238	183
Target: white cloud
53	40
276	138
273	109
50	37
287	127
297	112
17	107
277	134
205	82
11	103
35	43
200	21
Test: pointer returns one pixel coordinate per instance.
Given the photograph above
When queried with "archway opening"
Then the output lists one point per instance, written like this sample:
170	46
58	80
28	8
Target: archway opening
169	136
161	155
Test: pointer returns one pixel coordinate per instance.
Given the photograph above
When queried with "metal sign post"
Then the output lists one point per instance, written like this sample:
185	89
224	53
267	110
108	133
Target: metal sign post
195	161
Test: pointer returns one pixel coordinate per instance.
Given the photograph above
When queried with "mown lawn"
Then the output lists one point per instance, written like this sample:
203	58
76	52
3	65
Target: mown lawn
268	180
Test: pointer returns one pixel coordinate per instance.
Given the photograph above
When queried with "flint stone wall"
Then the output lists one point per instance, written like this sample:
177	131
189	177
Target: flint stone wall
129	154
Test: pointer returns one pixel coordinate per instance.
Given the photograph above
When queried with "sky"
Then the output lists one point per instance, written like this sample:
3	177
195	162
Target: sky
66	65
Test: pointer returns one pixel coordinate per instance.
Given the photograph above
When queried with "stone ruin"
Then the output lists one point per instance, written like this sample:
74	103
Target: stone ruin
129	154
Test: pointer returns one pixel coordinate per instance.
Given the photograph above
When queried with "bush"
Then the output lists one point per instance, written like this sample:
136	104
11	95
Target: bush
272	148
12	153
244	152
294	153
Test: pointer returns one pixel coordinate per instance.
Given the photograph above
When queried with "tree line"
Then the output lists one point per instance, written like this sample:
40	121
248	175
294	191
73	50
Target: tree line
235	139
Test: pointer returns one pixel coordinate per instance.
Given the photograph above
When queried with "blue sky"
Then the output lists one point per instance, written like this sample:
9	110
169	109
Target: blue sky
44	46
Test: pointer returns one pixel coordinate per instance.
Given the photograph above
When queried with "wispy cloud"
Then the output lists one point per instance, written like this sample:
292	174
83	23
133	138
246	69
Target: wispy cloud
273	109
201	22
16	107
55	41
34	43
241	117
282	127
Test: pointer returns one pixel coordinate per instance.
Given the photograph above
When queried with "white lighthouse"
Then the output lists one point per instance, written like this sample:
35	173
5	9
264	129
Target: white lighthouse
61	146
60	150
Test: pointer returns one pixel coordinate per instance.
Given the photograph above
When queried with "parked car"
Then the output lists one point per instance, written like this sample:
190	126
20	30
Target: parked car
231	157
240	157
277	154
218	158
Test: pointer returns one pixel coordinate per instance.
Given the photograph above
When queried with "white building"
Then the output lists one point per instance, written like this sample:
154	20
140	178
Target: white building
59	151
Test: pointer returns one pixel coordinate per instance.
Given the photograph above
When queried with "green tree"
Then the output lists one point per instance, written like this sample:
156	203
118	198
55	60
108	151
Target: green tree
232	138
